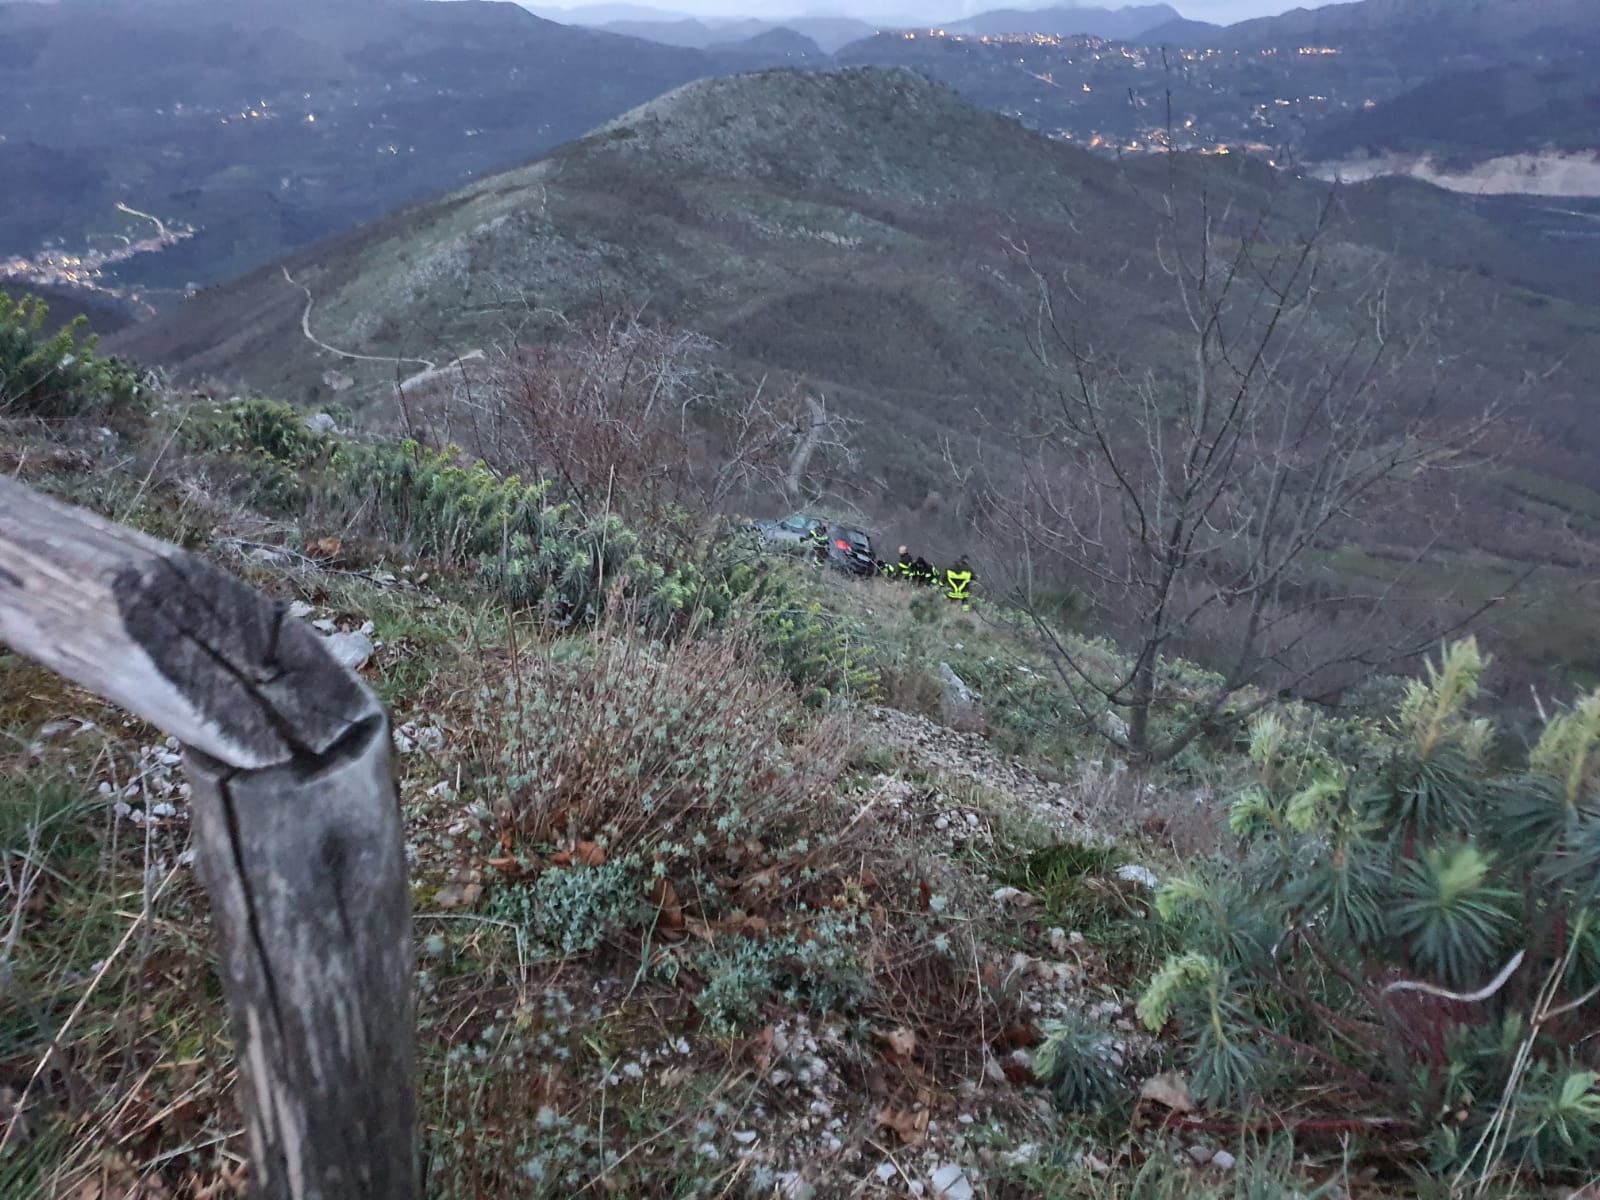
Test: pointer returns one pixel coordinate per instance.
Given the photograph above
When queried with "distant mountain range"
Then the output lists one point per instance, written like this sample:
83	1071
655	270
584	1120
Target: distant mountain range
829	33
1452	26
262	127
1119	24
235	131
834	32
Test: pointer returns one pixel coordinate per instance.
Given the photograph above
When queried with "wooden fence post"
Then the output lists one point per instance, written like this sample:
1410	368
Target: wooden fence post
296	820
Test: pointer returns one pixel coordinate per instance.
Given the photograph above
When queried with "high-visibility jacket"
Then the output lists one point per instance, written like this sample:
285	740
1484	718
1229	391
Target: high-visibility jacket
958	583
903	567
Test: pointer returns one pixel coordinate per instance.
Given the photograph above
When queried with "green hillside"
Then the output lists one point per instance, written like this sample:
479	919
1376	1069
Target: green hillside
857	233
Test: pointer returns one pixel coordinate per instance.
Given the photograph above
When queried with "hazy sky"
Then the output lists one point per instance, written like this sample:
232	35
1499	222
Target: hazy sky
1204	10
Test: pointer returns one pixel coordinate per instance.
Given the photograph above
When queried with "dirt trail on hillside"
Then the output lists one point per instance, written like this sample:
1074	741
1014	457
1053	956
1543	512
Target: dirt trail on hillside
1068	807
305	328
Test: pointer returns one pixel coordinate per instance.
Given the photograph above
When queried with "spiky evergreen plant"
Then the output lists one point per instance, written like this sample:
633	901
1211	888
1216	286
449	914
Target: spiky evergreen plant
1407	923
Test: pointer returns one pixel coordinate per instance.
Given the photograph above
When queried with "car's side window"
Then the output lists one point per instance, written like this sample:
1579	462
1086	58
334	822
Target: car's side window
798	523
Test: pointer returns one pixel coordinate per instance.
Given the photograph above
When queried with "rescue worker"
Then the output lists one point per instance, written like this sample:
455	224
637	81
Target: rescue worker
819	539
958	583
922	572
903	566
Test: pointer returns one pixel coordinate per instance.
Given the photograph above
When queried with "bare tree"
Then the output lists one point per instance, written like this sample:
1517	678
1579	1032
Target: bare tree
621	412
1193	502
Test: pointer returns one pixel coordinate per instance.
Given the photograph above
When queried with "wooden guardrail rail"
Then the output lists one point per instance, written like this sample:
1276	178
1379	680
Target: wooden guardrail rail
296	820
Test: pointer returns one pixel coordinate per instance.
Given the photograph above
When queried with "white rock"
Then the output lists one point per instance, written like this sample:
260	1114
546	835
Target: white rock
325	625
942	824
300	610
1134	873
949	1182
745	1136
322	422
886	1172
1201	1154
352	650
1013	897
1223	1161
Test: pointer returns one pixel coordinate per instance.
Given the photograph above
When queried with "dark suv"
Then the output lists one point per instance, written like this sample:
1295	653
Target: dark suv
850	550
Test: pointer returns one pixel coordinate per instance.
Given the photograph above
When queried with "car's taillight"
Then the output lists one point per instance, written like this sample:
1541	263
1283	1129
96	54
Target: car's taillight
843	545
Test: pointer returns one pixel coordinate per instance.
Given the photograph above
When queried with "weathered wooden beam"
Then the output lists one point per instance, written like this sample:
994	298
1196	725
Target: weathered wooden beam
296	819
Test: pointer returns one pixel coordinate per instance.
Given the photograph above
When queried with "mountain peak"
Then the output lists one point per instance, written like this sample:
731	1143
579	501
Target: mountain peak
857	129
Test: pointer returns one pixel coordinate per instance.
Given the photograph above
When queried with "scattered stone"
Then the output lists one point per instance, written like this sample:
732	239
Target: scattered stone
334	381
958	703
1116	727
463	890
745	1137
949	1182
942	824
1201	1155
886	1171
352	650
1223	1161
1134	873
1014	898
299	610
1168	1089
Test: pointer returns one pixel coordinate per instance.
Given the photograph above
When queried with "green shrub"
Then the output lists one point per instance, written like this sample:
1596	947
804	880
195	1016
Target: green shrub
676	750
257	428
824	969
534	551
1406	913
1077	1062
571	911
267	447
697	777
57	376
825	656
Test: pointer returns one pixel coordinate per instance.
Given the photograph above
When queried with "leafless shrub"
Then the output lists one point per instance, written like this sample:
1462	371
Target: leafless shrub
622	413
